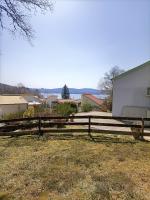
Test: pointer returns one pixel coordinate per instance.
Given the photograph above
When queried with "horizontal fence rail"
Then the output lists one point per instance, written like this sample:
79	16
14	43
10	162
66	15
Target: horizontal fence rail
88	123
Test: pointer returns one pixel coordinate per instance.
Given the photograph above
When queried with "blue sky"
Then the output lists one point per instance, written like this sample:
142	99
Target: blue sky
77	43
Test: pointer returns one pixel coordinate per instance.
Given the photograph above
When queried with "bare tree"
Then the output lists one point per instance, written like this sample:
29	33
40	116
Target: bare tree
15	14
107	83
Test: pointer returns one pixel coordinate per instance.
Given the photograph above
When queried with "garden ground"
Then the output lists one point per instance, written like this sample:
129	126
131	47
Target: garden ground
71	168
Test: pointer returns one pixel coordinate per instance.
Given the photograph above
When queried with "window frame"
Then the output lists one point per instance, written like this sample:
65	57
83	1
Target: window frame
148	91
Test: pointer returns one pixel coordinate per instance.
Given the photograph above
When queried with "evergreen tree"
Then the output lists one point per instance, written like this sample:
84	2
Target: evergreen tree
65	92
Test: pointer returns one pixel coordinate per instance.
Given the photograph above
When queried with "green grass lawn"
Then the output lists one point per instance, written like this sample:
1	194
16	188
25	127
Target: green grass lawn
74	169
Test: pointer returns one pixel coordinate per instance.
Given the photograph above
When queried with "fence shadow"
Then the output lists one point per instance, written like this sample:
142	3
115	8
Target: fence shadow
101	138
107	139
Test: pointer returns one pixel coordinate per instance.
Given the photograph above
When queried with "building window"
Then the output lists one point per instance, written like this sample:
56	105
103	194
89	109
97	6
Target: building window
148	91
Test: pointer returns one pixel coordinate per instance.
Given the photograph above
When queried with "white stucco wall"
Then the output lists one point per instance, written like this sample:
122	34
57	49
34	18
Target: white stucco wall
12	108
130	90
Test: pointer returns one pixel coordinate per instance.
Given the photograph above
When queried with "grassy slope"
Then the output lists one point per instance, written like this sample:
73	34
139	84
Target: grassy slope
74	169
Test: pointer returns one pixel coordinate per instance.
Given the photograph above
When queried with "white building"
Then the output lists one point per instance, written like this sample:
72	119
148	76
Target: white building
12	104
131	92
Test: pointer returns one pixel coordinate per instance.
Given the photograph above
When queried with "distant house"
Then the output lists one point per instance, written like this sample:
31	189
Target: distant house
51	100
131	92
32	100
12	104
92	100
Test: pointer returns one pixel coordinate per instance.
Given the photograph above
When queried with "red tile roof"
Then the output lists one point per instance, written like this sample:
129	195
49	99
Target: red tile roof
94	99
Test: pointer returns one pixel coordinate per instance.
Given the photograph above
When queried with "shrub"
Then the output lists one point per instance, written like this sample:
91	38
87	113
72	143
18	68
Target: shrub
86	107
41	111
65	109
29	112
12	115
107	105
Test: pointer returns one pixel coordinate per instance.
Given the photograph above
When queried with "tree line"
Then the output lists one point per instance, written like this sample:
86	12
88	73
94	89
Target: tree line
20	89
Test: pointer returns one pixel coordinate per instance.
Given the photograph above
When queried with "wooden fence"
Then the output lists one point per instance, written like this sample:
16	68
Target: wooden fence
89	124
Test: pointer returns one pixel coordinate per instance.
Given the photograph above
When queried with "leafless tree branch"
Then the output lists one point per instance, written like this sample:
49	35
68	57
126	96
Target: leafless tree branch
107	83
15	11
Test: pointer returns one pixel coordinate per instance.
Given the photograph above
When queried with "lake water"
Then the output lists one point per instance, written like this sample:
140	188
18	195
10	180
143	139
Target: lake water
73	96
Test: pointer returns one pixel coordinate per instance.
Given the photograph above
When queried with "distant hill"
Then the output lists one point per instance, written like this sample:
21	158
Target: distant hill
8	89
73	91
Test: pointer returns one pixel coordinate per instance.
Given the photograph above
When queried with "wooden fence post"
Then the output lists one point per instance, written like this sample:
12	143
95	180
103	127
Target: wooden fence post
40	133
142	128
89	127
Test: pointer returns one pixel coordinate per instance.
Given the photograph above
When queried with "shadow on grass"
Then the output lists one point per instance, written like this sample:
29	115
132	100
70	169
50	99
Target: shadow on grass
16	141
109	139
10	142
118	182
100	138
